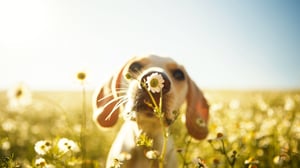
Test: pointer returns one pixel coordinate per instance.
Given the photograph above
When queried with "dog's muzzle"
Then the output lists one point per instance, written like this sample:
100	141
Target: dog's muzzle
142	103
167	83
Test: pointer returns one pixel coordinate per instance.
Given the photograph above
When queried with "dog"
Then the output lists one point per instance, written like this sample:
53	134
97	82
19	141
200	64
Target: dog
127	94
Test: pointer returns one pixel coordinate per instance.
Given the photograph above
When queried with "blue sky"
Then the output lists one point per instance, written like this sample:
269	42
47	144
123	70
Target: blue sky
223	44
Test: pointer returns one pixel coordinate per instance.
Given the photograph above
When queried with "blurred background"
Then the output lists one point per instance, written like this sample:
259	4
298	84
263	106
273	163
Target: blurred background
223	44
243	54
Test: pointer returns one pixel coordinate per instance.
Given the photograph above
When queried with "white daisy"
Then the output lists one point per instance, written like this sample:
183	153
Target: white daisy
66	145
116	163
40	162
155	82
42	147
152	154
19	96
123	156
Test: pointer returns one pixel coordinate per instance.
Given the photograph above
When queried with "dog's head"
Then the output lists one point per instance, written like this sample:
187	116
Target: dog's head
131	86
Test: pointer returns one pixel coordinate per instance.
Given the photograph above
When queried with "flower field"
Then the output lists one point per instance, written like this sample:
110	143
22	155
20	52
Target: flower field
55	129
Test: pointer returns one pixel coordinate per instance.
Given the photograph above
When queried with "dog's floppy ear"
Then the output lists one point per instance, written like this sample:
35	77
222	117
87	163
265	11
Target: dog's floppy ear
104	102
197	112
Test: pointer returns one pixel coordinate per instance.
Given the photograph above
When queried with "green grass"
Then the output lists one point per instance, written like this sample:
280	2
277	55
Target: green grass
257	127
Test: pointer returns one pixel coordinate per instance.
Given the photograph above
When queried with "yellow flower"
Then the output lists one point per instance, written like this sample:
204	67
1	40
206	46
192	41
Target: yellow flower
144	140
251	162
200	163
155	82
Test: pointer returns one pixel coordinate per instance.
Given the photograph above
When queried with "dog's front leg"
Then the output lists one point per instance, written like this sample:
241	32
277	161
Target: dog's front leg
124	143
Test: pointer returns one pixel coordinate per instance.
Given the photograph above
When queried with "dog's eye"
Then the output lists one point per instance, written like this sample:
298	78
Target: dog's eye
136	67
178	74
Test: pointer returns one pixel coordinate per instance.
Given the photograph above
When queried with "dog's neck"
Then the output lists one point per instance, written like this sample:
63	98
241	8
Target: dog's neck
153	130
151	126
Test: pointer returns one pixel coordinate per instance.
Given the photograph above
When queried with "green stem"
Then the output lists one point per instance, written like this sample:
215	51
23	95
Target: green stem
188	142
165	134
223	150
152	98
159	114
83	127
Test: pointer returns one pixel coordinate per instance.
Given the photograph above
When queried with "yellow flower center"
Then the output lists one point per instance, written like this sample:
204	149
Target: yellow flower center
19	93
154	83
81	75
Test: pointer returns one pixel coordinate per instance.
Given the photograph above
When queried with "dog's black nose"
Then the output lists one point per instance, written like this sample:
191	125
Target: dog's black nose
156	82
